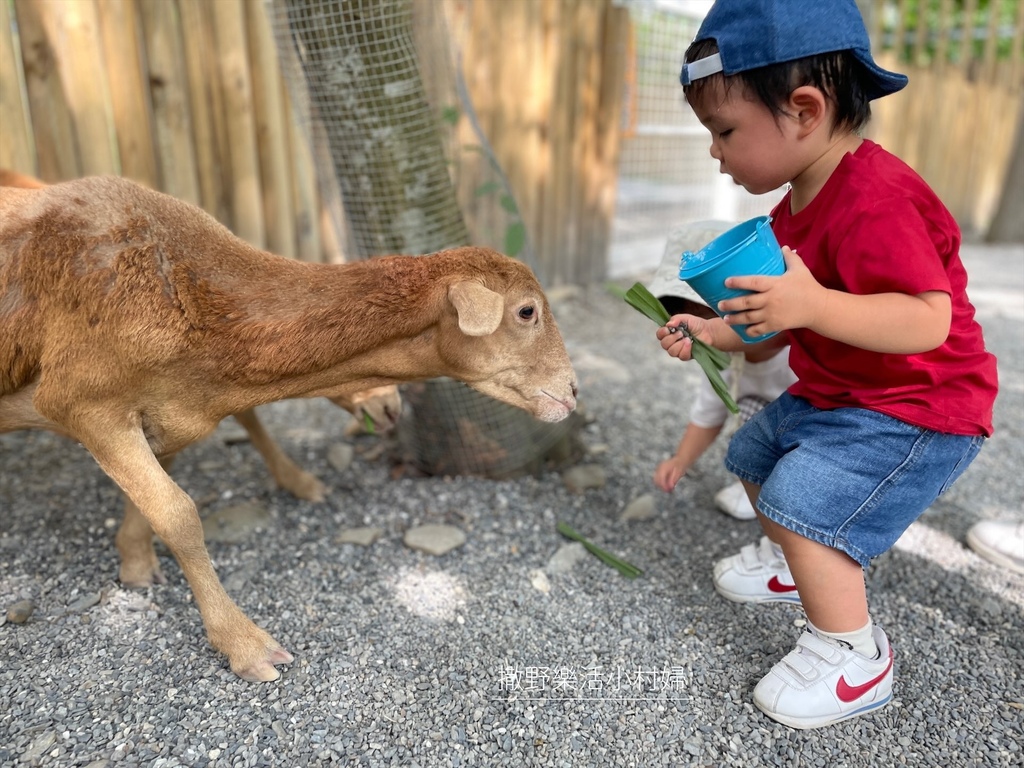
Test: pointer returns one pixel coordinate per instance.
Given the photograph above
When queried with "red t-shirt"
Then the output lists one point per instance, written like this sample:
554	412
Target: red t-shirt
877	227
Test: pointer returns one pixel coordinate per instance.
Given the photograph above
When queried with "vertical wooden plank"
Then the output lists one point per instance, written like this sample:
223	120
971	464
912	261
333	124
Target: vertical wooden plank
172	117
133	121
305	200
585	171
1015	72
16	146
943	35
874	24
980	102
535	105
271	132
481	76
967	36
246	204
915	148
997	135
508	124
945	105
206	104
604	180
74	32
559	227
903	143
55	137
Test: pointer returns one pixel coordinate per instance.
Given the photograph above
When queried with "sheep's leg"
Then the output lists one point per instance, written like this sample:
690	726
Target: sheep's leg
126	457
286	472
134	540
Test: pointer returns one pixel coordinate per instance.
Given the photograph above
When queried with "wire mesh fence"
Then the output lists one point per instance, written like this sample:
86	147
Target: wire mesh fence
360	87
666	175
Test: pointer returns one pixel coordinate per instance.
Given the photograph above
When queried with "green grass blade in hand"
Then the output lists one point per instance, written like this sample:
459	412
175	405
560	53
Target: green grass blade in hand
644	301
710	359
703	358
718	357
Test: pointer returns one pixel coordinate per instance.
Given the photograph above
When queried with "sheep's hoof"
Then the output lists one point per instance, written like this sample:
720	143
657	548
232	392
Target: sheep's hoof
305	486
141	573
263	670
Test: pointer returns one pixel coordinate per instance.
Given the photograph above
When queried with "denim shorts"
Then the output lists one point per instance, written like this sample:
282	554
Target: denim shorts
849	478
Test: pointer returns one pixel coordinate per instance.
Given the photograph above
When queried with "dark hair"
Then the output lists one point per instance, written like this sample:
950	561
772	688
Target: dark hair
676	305
838	75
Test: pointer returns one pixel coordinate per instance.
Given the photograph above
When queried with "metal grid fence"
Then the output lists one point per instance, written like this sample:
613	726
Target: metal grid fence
667	178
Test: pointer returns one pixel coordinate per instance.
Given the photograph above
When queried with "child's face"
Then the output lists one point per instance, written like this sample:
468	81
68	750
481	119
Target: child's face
747	140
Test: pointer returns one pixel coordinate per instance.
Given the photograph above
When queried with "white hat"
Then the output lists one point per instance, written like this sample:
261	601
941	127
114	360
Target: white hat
689	237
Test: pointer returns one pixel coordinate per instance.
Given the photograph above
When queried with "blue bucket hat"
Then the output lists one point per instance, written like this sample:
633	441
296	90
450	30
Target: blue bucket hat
758	33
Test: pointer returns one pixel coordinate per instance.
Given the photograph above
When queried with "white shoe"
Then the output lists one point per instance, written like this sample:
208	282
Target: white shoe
755	575
1000	542
734	502
819	683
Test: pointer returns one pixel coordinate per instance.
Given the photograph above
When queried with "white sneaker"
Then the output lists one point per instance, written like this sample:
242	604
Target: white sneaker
756	575
734	502
1000	542
819	683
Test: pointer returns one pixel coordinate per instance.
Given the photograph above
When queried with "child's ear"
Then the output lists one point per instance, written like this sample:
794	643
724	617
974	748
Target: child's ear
810	107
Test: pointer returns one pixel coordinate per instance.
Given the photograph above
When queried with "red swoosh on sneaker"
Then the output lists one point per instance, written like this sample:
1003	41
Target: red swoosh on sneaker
848	693
774	585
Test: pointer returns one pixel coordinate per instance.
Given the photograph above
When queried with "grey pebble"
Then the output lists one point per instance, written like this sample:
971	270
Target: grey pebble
641	508
236	523
85	602
434	539
340	456
566	557
584	477
364	536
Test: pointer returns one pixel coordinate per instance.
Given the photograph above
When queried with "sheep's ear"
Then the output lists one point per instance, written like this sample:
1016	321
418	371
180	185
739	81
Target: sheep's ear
480	309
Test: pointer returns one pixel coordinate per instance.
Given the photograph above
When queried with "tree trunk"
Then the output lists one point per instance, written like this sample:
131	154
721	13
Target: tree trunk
364	79
366	91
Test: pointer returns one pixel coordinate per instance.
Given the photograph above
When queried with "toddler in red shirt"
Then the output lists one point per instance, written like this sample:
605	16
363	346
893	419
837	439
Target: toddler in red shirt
894	389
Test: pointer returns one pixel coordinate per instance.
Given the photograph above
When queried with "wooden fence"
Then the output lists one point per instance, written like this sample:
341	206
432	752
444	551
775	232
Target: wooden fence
958	121
187	96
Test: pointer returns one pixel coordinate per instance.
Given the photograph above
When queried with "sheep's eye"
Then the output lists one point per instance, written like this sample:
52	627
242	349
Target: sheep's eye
527	312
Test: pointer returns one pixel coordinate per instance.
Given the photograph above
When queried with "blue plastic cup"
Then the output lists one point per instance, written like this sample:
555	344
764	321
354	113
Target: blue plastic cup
749	248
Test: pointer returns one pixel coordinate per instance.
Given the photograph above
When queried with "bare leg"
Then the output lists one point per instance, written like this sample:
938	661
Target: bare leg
134	540
830	582
286	472
125	456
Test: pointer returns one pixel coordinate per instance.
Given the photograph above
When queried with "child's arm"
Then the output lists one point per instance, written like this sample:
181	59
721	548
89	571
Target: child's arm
893	323
694	442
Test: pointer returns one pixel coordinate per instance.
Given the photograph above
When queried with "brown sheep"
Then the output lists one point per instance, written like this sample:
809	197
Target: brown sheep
382	405
133	323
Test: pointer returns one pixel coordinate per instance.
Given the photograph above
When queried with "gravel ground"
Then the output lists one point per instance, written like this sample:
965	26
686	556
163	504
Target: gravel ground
409	659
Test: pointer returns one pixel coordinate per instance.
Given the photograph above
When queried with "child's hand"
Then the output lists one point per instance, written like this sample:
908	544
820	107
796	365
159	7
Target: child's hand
792	300
677	343
668	473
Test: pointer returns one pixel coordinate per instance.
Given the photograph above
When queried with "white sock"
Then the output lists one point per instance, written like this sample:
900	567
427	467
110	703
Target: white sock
860	640
777	550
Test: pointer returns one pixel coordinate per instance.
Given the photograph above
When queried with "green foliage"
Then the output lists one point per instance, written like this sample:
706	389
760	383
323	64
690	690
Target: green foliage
712	361
514	240
928	13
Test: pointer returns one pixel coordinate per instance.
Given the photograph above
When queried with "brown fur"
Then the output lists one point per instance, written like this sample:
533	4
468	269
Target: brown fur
134	323
382	404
